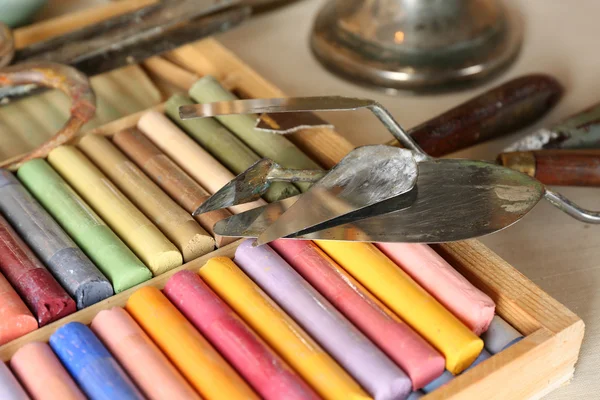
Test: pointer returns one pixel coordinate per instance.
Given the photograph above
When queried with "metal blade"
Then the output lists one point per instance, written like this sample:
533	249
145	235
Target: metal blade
455	200
366	176
580	131
254	182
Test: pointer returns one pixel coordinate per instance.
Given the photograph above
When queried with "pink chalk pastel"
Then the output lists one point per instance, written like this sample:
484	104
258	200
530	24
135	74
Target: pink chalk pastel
42	374
469	304
149	368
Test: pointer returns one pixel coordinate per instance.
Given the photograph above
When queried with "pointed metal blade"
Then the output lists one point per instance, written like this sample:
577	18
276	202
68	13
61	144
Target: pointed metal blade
366	176
248	186
455	200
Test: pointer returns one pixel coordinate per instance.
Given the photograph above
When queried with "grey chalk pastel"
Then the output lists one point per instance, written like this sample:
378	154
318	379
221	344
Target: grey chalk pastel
69	265
447	376
500	335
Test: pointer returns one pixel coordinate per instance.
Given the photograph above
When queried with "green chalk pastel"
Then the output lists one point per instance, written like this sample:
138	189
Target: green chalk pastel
85	227
268	145
223	145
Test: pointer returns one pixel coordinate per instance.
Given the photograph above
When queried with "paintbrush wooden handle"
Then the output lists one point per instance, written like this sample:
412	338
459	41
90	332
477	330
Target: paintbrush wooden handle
499	111
557	167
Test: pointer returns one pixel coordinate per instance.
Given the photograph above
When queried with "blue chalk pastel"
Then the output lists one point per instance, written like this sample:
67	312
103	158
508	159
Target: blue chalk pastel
447	376
417	394
91	365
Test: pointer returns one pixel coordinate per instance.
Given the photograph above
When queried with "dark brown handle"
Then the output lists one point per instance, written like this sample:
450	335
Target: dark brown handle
557	167
499	111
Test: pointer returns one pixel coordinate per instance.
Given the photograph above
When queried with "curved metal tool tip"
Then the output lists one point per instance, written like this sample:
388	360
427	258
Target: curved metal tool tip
248	186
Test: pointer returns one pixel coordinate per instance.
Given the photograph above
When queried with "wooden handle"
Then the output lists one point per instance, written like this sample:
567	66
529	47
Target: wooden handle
502	110
557	167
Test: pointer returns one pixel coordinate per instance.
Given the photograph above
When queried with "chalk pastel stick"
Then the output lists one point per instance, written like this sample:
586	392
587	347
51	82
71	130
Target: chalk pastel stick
33	282
358	355
42	374
90	364
186	153
87	229
469	304
10	388
146	241
140	357
408	300
268	145
15	318
69	265
399	341
447	376
500	335
177	224
260	366
223	145
282	333
171	178
197	360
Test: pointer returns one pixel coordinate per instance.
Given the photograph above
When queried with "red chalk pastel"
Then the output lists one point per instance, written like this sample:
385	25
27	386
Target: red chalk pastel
41	292
400	342
266	372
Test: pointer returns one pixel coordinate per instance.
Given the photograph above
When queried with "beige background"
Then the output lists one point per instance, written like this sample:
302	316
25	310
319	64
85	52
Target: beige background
561	38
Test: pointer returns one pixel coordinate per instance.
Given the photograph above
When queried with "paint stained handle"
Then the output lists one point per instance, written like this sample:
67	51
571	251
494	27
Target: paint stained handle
557	167
497	112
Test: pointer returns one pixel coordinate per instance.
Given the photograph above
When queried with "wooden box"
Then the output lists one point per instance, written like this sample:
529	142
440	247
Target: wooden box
542	361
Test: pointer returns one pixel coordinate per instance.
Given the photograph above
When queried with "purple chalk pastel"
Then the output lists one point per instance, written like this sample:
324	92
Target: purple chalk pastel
381	378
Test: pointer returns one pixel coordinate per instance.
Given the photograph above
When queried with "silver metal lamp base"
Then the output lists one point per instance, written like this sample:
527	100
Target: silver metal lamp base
415	45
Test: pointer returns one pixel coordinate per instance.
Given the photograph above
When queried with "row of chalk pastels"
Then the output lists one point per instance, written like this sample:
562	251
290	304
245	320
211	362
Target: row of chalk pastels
100	218
256	325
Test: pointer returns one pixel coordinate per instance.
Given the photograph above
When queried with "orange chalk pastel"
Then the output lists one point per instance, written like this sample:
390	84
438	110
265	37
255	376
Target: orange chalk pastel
197	360
15	318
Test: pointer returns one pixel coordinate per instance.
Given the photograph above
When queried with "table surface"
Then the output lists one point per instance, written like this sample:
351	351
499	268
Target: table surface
554	251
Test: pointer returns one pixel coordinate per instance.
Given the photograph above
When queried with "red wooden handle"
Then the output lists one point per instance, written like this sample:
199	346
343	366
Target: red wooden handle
557	167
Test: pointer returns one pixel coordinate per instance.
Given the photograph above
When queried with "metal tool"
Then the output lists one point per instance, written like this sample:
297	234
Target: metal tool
57	76
465	198
416	45
453	200
130	38
579	131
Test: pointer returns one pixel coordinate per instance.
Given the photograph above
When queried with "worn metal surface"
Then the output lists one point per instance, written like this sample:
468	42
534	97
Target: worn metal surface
253	183
64	78
368	175
420	46
132	37
579	131
467	198
455	200
299	104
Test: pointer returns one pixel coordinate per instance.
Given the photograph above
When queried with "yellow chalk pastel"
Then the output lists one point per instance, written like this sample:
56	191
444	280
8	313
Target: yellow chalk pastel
279	330
406	298
146	241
